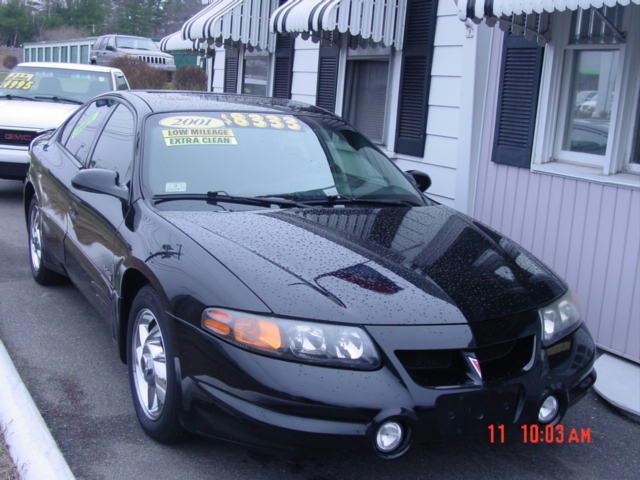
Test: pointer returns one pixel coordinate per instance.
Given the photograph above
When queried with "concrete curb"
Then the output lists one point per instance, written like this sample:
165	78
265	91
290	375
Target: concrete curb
31	446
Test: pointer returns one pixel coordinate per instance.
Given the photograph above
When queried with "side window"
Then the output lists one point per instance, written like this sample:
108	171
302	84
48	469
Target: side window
114	150
121	82
112	42
86	128
68	128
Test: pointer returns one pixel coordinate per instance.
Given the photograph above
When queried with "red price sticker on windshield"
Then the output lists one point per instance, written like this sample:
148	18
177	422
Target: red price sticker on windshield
18	81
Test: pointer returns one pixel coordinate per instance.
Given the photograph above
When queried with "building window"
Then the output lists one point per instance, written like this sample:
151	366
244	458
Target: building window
47	54
255	73
592	92
40	54
63	54
56	54
74	54
84	54
365	93
589	96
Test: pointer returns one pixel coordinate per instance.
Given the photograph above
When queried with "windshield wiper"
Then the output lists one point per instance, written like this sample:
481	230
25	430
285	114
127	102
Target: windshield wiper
11	96
215	197
56	98
341	200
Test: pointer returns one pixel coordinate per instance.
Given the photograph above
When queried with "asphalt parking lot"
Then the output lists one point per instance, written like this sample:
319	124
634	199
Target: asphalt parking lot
66	357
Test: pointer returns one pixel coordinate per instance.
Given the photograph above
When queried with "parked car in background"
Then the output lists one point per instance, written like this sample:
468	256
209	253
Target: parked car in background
109	47
35	97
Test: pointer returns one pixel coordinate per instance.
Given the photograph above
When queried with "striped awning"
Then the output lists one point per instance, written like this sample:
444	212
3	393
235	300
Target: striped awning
175	42
479	9
381	21
244	21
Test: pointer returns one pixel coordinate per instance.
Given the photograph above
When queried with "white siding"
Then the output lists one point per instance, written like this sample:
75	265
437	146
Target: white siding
443	124
305	71
218	71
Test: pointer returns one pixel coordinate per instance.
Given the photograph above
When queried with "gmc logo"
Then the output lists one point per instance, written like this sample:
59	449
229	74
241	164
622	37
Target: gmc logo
17	137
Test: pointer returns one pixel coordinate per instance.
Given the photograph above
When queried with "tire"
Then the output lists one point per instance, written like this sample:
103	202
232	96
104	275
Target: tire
37	248
149	342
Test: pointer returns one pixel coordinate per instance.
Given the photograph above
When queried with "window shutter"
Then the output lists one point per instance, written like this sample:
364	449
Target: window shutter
517	101
417	56
231	61
328	72
283	74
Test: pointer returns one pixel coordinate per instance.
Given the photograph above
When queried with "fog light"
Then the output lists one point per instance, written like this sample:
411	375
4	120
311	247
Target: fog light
389	437
549	409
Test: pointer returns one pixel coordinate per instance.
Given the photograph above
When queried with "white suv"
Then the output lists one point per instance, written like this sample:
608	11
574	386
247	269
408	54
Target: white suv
36	97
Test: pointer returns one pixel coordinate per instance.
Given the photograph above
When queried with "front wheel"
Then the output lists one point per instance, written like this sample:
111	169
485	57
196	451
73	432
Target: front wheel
150	363
41	274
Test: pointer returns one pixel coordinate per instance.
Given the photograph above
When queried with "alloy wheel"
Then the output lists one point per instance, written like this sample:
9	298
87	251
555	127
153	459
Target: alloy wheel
150	364
35	238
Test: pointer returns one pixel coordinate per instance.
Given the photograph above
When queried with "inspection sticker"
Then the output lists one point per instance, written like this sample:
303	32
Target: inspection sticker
175	187
177	137
18	81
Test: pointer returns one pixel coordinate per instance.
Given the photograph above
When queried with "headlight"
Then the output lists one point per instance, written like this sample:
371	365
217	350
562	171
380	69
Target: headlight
302	341
559	319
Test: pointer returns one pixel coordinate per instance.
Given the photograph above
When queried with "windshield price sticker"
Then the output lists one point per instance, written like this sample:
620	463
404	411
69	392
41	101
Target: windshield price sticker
18	81
185	121
257	120
235	119
177	137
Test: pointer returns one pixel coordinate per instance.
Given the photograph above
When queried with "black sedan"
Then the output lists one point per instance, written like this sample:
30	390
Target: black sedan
271	278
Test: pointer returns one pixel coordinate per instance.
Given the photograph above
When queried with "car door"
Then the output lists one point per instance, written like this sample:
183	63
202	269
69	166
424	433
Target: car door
78	147
97	50
109	50
51	175
92	228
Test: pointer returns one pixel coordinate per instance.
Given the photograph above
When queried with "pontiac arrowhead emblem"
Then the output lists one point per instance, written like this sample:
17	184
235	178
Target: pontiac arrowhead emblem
475	365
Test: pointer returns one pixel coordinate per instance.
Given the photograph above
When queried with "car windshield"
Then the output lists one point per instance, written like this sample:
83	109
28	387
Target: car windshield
304	158
57	84
134	43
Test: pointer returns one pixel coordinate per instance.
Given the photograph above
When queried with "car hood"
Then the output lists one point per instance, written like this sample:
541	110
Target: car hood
34	115
412	266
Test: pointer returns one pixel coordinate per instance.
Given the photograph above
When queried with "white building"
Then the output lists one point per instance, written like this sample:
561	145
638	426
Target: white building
397	81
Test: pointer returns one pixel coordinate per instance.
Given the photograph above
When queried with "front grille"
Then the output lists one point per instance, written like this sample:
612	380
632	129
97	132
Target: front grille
18	138
439	368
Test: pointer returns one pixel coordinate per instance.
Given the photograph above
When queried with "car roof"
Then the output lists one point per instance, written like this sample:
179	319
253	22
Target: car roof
70	66
163	101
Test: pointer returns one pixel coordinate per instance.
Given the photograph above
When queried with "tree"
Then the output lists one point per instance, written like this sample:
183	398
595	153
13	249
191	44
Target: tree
85	15
176	13
138	17
16	23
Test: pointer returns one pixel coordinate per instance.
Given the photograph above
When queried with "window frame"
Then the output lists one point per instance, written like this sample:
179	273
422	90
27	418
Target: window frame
548	155
77	116
373	53
244	53
116	103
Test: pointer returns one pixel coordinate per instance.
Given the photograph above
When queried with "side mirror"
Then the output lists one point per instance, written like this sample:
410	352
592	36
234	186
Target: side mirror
420	179
110	48
99	180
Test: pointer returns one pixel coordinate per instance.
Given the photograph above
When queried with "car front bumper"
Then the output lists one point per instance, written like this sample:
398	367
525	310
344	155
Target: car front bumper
251	399
14	162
